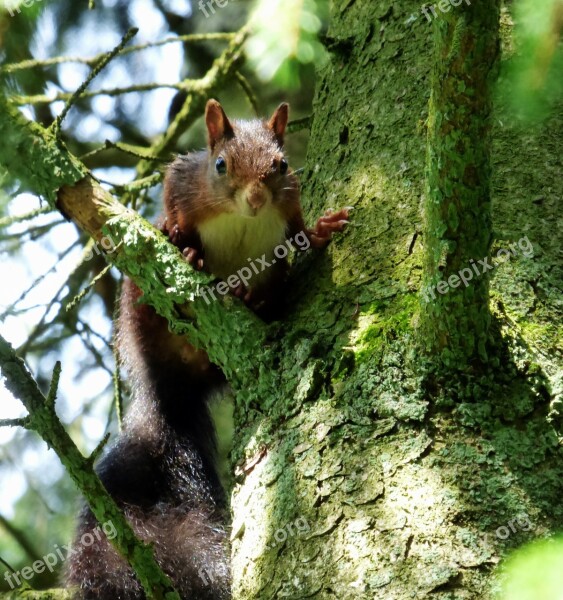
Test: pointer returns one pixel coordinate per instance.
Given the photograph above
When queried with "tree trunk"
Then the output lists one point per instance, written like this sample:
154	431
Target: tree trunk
366	482
457	232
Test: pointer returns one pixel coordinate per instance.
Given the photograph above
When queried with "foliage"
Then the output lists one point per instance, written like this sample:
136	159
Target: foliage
534	83
534	571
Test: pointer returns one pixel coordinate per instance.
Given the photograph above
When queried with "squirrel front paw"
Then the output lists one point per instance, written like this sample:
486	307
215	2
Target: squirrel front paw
248	296
329	223
244	293
174	234
193	257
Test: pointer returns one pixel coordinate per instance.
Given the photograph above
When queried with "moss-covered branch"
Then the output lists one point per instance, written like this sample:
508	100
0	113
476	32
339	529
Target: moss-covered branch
27	594
230	333
457	234
43	419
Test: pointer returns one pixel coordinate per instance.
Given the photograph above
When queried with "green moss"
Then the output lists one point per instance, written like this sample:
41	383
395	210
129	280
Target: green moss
545	335
33	156
386	322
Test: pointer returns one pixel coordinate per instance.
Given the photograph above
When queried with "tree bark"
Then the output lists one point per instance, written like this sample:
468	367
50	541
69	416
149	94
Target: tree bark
457	228
368	483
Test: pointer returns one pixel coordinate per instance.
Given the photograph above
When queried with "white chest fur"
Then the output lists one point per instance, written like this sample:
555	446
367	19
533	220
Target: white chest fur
230	239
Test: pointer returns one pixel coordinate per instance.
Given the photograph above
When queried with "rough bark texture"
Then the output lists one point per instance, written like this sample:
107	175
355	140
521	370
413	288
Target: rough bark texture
403	487
457	224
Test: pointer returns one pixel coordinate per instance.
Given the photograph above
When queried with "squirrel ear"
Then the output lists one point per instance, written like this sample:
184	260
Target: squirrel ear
278	122
218	125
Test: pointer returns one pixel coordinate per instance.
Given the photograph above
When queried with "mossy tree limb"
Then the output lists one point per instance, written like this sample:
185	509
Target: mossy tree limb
43	419
227	330
27	594
457	230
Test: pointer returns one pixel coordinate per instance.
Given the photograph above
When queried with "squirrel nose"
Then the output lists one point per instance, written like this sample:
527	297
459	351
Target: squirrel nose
256	197
256	200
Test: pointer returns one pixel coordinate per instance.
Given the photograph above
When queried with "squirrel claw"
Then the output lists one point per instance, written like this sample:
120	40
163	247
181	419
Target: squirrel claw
191	255
243	293
331	222
174	235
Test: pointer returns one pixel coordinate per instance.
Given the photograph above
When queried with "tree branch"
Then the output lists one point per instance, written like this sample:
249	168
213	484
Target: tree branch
457	227
43	419
231	334
27	594
57	60
20	537
228	331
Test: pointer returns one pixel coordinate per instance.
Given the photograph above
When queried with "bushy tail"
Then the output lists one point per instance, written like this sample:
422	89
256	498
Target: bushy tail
161	469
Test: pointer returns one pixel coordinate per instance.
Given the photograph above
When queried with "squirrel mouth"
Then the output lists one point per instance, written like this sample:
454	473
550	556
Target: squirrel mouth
252	211
253	199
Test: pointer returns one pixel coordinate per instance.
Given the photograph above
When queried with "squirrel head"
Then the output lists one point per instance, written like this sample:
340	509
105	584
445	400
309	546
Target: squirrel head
247	167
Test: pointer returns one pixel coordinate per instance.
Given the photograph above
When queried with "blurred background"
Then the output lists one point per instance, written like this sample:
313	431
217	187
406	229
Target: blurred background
45	261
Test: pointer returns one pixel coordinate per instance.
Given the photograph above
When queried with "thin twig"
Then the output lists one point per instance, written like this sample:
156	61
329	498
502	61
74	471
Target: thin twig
98	449
10	568
80	296
142	184
57	60
38	280
21	538
249	92
53	388
30	483
299	124
118	394
68	96
85	332
95	71
117	384
33	233
7	221
135	151
41	326
23	422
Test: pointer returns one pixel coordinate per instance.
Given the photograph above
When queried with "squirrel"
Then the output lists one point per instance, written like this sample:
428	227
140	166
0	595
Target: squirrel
223	207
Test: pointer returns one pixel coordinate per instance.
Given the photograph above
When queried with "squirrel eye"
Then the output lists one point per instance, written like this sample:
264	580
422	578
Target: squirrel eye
283	166
221	166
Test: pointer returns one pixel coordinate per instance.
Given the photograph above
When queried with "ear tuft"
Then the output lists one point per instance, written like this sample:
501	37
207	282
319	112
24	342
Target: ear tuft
218	125
278	122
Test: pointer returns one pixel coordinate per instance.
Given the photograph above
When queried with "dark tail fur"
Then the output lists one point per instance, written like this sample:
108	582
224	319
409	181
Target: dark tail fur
161	469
